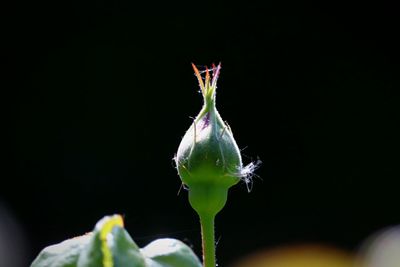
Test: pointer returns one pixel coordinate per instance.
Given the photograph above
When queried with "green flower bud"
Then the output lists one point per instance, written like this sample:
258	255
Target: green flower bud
208	159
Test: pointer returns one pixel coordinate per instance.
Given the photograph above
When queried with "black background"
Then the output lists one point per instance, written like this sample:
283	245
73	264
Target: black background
98	95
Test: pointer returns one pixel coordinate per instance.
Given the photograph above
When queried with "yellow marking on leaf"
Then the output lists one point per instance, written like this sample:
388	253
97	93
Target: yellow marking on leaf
106	229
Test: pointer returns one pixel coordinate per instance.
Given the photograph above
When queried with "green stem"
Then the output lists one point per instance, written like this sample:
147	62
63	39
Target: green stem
208	240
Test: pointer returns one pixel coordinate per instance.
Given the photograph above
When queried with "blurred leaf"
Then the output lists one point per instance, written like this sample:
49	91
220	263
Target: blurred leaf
110	245
64	254
125	252
169	252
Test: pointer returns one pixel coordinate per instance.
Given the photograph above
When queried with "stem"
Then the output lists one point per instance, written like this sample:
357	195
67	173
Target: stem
208	240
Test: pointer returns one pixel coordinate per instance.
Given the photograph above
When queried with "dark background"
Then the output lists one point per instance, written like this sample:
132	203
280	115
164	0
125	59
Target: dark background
98	95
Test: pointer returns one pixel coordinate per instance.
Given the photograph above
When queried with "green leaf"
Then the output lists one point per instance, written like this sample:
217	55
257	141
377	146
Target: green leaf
105	246
64	254
125	252
169	252
110	245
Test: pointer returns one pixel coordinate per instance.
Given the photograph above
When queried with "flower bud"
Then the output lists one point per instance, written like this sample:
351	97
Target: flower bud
208	159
